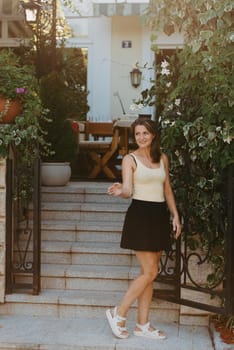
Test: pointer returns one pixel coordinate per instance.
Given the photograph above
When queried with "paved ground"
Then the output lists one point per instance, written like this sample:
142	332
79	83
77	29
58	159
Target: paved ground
33	333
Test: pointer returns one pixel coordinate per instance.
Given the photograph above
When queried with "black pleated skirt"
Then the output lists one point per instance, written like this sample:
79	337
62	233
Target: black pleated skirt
146	227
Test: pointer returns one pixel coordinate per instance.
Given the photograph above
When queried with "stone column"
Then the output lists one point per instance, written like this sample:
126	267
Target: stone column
2	228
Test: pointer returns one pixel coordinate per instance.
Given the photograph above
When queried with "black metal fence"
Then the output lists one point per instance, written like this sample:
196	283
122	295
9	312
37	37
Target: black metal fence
22	229
184	273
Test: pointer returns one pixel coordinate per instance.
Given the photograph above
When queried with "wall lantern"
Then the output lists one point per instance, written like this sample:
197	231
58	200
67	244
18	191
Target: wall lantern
31	11
41	16
135	76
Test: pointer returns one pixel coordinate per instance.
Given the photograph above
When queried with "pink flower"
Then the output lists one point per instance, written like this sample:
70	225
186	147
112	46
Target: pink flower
21	90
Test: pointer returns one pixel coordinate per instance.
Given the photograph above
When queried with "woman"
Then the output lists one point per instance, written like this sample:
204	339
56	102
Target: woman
146	229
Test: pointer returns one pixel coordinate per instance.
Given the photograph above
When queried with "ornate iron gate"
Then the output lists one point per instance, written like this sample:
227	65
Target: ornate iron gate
183	272
22	230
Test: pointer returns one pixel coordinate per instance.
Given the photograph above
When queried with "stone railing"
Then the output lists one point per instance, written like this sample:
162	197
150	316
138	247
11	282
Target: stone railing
2	227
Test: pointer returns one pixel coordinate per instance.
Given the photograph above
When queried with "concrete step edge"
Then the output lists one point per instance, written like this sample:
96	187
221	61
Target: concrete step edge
81	225
89	271
84	247
79	298
78	186
84	207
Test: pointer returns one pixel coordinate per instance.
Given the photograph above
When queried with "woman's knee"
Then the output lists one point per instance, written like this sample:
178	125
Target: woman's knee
149	264
154	273
151	274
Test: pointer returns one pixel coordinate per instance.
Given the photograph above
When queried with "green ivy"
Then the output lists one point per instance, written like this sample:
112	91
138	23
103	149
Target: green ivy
193	96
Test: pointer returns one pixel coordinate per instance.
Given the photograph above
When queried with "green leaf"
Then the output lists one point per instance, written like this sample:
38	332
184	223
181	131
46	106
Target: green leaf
206	34
196	45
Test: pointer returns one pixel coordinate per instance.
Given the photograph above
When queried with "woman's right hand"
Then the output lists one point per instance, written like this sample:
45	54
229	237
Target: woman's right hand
115	189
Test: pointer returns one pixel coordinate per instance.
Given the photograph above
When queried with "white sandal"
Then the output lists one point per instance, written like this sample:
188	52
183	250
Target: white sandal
146	332
113	322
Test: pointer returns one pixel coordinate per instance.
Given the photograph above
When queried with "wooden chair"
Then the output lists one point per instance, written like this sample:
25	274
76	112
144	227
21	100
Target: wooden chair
101	151
98	130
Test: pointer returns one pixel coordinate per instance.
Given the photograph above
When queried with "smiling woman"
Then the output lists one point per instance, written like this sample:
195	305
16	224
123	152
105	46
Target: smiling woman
146	228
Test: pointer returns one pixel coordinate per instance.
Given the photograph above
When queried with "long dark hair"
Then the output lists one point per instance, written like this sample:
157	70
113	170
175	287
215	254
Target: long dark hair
150	125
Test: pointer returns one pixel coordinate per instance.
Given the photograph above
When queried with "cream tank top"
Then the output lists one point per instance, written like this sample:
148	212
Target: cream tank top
148	183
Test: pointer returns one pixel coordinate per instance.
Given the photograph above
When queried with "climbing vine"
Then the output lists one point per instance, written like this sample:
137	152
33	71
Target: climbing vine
194	99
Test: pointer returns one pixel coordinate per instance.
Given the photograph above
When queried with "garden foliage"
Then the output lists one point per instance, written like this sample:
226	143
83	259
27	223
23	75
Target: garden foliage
193	95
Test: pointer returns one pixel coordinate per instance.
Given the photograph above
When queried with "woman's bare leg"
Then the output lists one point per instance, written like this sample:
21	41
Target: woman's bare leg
141	288
149	268
145	298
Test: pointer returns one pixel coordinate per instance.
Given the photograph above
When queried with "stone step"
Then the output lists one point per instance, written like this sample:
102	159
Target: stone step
94	253
80	192
84	277
84	270
79	303
87	277
78	253
76	231
82	212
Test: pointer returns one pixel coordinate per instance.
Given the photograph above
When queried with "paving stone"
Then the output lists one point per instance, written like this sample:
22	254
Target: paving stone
49	333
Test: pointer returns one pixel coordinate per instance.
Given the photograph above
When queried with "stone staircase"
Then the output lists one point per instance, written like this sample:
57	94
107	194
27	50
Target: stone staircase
83	270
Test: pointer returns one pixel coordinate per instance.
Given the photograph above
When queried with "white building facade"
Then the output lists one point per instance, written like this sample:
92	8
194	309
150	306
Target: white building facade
115	38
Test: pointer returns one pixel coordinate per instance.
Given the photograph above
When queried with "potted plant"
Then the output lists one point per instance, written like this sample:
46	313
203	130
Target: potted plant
18	83
64	94
25	135
17	87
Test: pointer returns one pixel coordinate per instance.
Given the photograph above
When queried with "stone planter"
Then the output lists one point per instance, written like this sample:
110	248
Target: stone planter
55	174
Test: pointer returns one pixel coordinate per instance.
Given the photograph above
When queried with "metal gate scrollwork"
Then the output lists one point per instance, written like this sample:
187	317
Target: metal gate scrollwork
22	230
184	273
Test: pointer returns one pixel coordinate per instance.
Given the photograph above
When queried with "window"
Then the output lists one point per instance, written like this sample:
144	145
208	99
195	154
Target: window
17	29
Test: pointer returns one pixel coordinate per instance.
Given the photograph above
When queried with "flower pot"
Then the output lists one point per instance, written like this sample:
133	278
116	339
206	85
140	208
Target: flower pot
9	109
55	174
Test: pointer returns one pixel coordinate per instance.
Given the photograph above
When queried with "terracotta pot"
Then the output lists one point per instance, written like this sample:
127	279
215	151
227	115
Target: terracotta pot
10	109
55	174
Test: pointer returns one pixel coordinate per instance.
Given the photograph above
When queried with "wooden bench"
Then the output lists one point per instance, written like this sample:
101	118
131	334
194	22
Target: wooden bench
101	144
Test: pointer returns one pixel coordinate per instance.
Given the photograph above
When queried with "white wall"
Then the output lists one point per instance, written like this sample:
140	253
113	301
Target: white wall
95	35
170	42
123	61
99	67
109	64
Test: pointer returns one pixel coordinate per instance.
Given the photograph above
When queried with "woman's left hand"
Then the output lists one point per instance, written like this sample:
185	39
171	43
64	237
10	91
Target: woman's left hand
176	226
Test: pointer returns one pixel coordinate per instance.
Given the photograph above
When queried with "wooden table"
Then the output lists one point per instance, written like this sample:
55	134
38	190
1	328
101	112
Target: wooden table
102	152
107	155
125	138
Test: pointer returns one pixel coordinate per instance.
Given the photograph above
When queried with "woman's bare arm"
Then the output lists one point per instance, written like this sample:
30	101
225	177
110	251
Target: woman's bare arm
170	199
124	189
